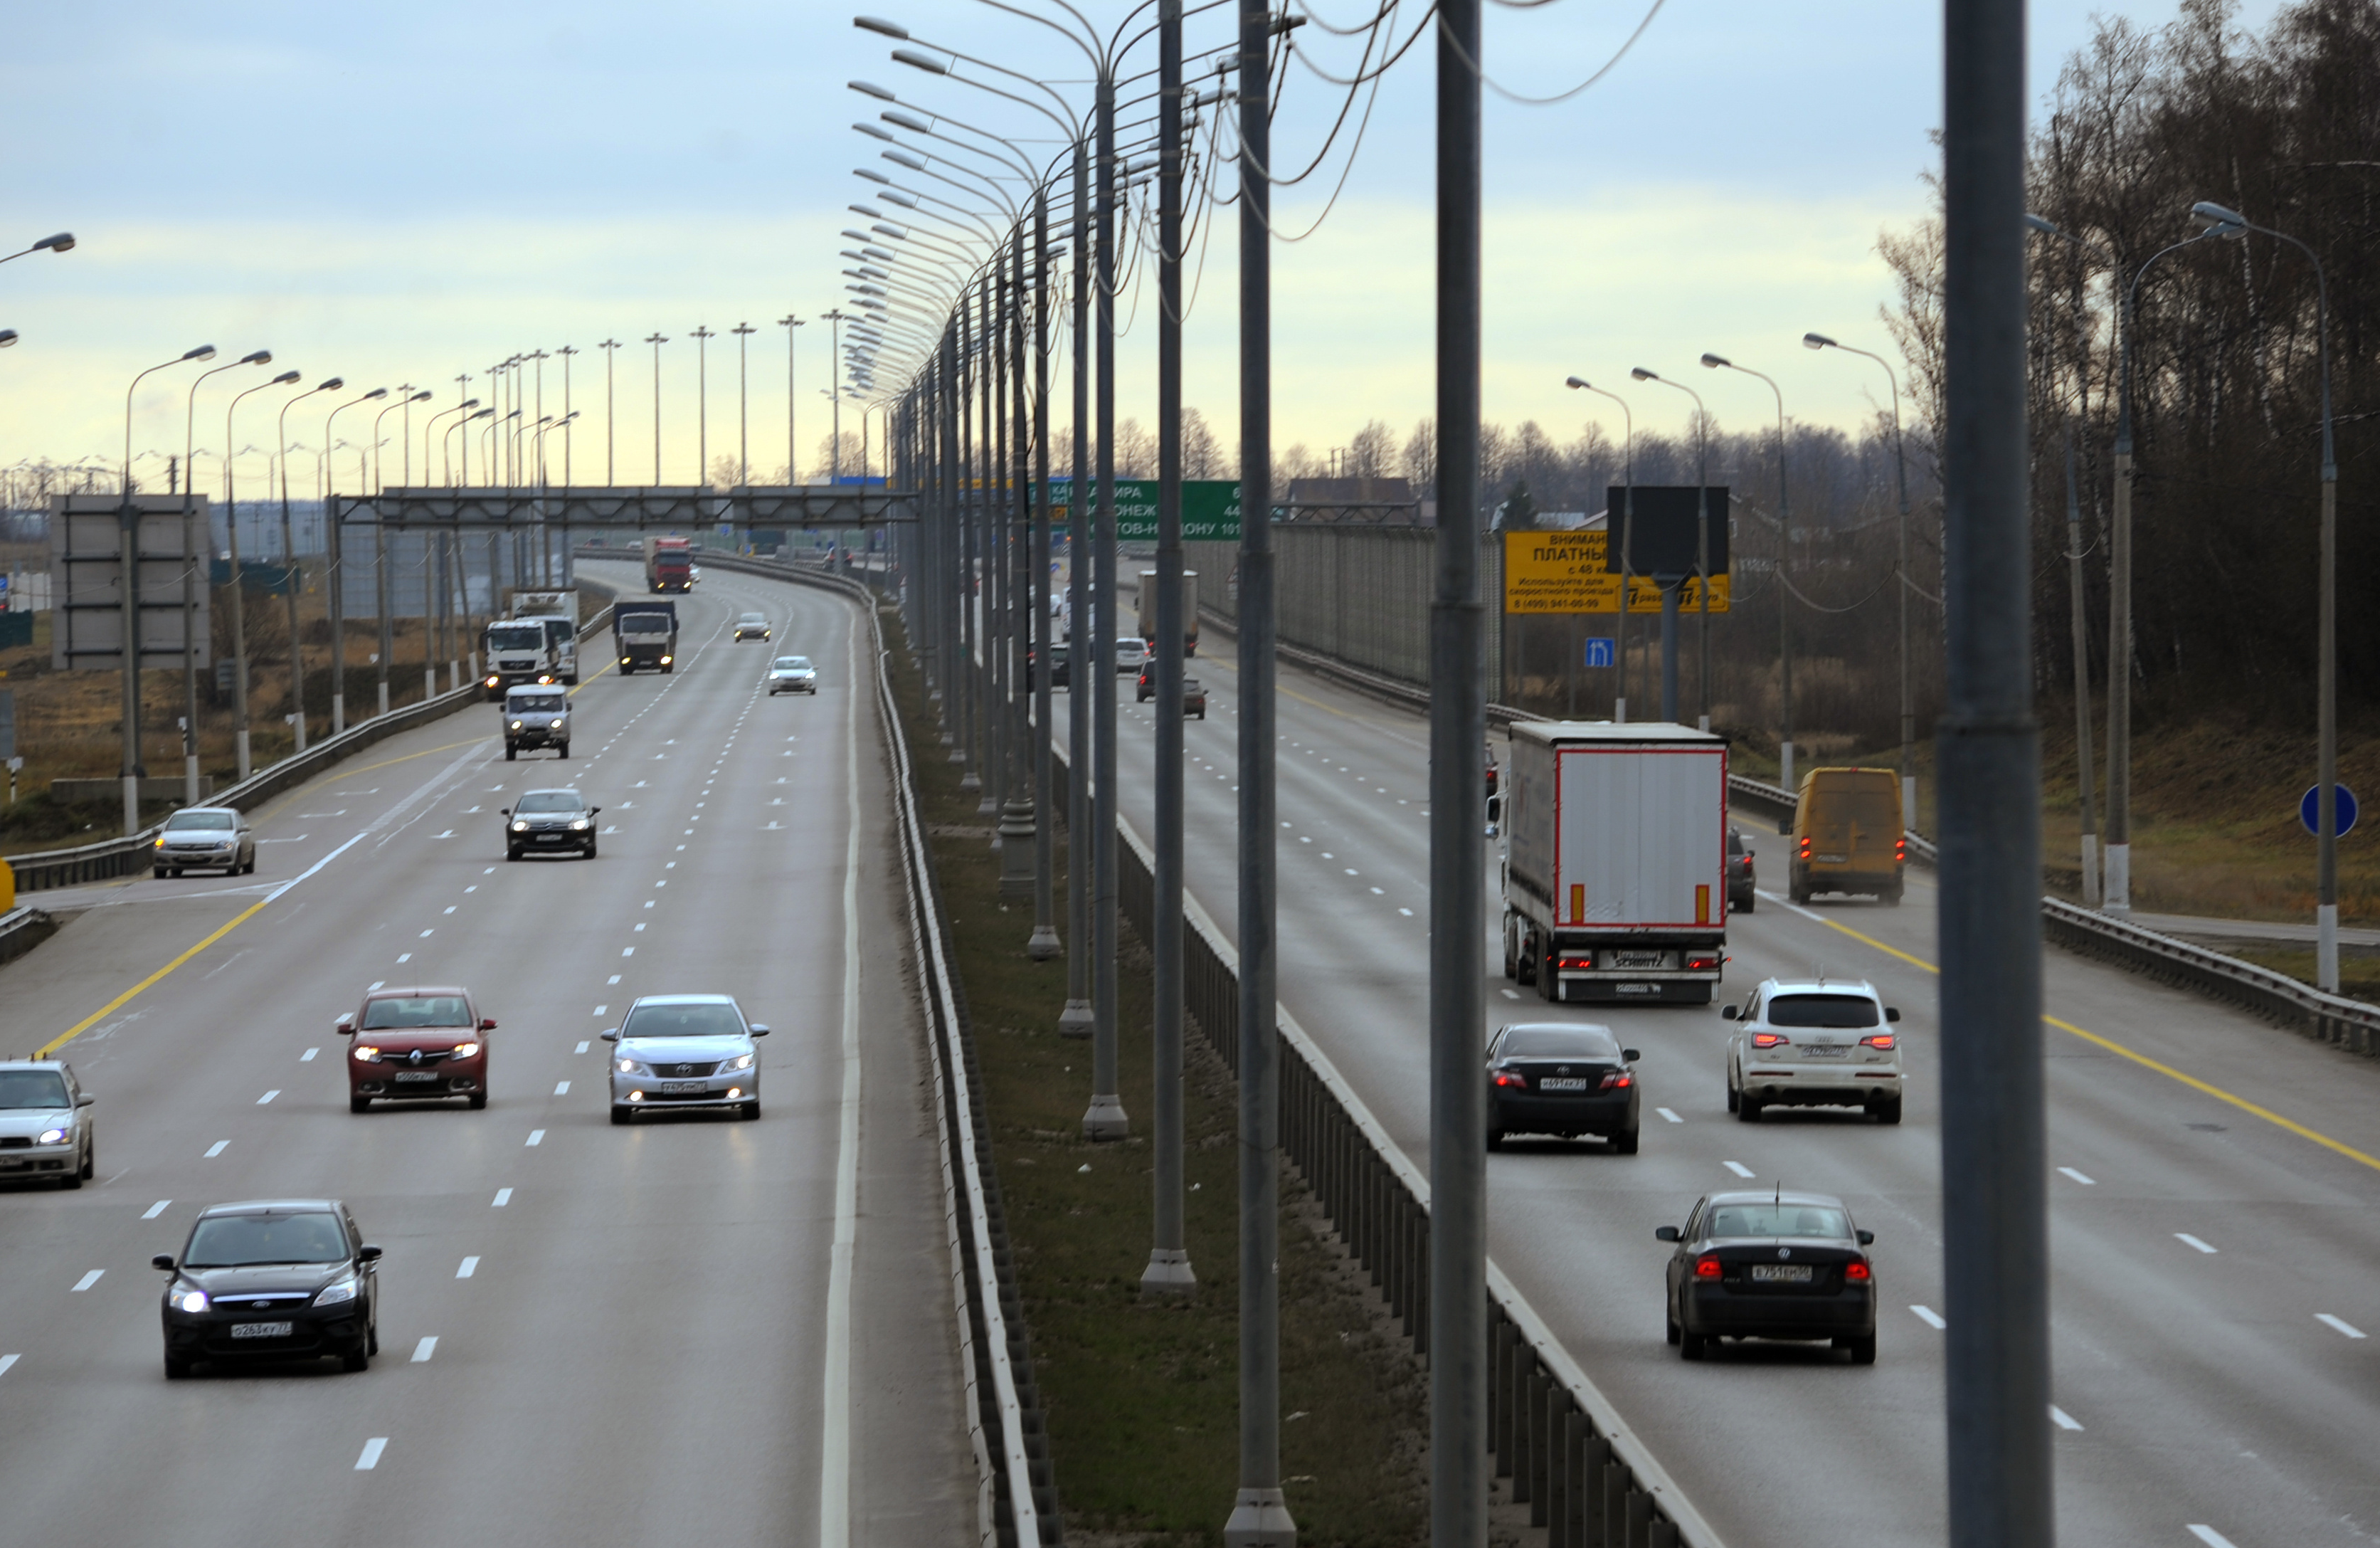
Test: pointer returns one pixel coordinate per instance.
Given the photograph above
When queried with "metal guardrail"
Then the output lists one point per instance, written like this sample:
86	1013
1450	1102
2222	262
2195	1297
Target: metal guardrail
1582	1471
111	857
21	930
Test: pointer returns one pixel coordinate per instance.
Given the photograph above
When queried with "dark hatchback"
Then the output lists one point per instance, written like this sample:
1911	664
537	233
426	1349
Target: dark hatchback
276	1279
1566	1078
550	822
1764	1265
1741	882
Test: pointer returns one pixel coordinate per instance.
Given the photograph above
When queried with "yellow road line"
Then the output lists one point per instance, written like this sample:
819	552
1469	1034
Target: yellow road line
111	1007
386	762
2112	1046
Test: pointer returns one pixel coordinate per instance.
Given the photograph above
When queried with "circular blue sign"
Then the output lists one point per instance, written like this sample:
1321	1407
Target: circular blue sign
2310	809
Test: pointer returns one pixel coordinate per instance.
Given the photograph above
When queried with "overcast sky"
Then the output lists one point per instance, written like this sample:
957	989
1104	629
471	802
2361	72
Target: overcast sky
407	193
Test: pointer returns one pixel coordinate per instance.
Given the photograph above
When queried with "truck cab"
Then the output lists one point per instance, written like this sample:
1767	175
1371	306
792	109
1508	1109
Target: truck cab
516	650
644	636
536	716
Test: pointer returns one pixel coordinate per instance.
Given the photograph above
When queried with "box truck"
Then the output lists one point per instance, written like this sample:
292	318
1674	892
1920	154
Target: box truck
1615	862
669	564
1189	611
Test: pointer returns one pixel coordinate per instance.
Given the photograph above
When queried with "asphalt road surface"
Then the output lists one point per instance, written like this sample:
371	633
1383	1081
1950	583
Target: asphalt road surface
588	1335
2215	1193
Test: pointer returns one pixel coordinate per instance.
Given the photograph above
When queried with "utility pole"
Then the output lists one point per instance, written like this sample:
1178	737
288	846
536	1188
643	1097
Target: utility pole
793	459
743	331
1105	1118
657	340
565	352
1083	666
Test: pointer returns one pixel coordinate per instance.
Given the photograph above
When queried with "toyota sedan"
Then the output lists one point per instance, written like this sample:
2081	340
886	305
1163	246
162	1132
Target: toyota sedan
1771	1265
274	1279
1561	1077
684	1051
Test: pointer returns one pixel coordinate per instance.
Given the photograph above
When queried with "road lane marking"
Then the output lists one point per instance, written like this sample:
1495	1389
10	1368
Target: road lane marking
2078	1176
504	1196
156	1209
2350	1328
2209	1536
1669	1116
2189	1240
1739	1169
582	1048
537	1137
423	1350
87	1281
599	1009
614	978
370	1458
2063	1419
2112	1046
5	1362
373	984
1930	1317
1509	994
628	951
404	957
470	1267
450	908
1408	913
561	1088
308	1056
217	1148
268	1096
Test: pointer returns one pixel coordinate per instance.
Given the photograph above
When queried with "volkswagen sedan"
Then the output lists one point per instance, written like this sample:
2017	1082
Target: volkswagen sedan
684	1051
278	1279
1771	1265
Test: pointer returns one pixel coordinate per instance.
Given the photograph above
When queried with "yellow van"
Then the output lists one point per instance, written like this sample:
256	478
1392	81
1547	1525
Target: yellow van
1847	834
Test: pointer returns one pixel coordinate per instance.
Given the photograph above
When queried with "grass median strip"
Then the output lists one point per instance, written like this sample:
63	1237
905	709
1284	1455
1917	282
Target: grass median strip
1142	1399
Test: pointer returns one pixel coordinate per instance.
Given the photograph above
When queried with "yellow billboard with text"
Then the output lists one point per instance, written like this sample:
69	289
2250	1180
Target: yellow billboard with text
1548	573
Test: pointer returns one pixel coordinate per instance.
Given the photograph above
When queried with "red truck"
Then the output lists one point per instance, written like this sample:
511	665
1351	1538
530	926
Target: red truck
669	564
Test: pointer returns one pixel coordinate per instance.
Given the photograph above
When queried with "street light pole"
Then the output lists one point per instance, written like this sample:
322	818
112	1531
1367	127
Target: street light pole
1627	532
238	582
195	553
1669	584
611	354
792	460
128	590
657	340
743	331
1784	552
702	337
295	571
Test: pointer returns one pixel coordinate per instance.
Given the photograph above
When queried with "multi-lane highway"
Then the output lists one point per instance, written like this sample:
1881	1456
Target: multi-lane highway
588	1334
2214	1227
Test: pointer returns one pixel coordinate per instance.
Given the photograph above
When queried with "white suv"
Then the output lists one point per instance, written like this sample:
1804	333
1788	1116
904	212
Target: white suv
1131	654
1816	1042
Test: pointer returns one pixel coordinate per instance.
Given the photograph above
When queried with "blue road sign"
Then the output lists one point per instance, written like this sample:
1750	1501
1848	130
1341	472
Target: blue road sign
1598	649
2310	811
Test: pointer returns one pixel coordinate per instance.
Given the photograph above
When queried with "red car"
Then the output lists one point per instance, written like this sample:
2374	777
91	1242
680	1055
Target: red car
416	1045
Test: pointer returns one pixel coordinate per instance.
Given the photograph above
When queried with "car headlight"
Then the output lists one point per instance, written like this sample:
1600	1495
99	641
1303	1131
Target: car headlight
666	661
580	824
520	827
336	1293
160	841
516	725
742	1061
51	1137
466	1050
493	681
629	1067
367	1054
186	1300
555	726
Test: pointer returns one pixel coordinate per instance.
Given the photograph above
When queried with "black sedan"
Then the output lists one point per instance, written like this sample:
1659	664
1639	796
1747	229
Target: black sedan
1769	1265
1566	1078
277	1279
1741	881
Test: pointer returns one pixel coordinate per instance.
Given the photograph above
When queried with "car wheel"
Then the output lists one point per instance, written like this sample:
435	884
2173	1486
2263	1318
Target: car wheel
1692	1345
251	866
359	1104
479	1101
1747	1107
512	854
512	751
1732	1098
564	750
667	670
751	1110
160	872
1888	1112
72	1179
371	1337
1624	1143
1893	897
621	1115
590	848
1750	901
90	1162
1862	1350
358	1359
1673	1327
176	1370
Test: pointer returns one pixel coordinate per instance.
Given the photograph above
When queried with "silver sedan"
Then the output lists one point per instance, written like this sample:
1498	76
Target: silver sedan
684	1051
204	839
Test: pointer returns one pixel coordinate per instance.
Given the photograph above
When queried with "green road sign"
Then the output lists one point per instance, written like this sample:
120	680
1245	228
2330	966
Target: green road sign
1211	508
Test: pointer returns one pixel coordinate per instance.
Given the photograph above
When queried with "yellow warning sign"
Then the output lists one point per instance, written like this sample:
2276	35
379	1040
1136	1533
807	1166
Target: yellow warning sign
1562	572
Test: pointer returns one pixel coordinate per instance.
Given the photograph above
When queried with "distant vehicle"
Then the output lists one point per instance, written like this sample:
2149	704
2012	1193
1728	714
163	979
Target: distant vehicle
1194	698
1817	1043
1131	654
44	1135
684	1051
1562	1078
1143	686
1059	674
1742	885
669	564
644	634
1770	1265
558	612
545	821
1847	834
1189	610
791	675
536	717
204	839
751	625
279	1279
416	1044
1615	861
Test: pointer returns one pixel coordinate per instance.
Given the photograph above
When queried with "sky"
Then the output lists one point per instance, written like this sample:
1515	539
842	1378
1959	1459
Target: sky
407	194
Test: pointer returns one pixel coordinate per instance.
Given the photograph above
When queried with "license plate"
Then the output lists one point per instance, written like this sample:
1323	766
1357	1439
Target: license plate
684	1087
1823	1051
1782	1273
1562	1083
1831	860
551	838
263	1330
411	1076
1635	958
1636	988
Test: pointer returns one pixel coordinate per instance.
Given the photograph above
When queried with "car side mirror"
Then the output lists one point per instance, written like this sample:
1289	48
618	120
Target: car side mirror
1892	1013
344	1026
1726	1013
85	1099
487	1023
593	810
1665	1233
163	1262
1867	1238
758	1028
1628	1055
503	811
611	1034
368	1253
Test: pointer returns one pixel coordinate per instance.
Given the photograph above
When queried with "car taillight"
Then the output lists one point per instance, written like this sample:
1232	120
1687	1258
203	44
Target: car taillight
1770	1040
1881	1040
1900	850
1805	849
1856	1270
1698	964
1707	1267
1574	964
1618	1080
1511	1078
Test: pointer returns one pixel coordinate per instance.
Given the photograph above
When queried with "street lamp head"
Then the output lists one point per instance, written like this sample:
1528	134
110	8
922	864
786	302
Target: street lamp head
864	209
871	177
892	29
2216	221
917	61
284	376
62	242
483	414
894	196
418	397
334	385
1712	362
877	134
868	89
1640	374
203	352
903	158
1572	382
376	392
2046	227
909	121
8	337
260	357
469	403
1820	341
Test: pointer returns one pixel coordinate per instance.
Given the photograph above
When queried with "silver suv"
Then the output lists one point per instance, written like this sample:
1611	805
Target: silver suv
1814	1042
536	716
44	1134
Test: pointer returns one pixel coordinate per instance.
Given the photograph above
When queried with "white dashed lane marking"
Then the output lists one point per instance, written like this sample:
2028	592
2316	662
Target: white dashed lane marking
504	1196
1930	1317
470	1267
370	1458
87	1281
156	1209
423	1350
1739	1169
2335	1324
217	1148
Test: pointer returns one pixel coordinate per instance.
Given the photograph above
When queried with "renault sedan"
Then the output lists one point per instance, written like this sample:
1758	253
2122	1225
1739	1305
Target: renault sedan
1771	1265
277	1279
44	1134
684	1051
204	839
1564	1078
415	1045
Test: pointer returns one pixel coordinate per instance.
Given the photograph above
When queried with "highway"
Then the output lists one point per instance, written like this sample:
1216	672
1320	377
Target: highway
2214	1227
588	1334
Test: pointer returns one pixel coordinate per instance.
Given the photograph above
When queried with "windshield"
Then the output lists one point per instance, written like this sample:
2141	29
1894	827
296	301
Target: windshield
233	1241
1561	1042
644	623
559	631
793	663
516	636
694	1020
550	801
1822	1010
33	1088
1778	1220
417	1010
537	704
753	618
182	821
